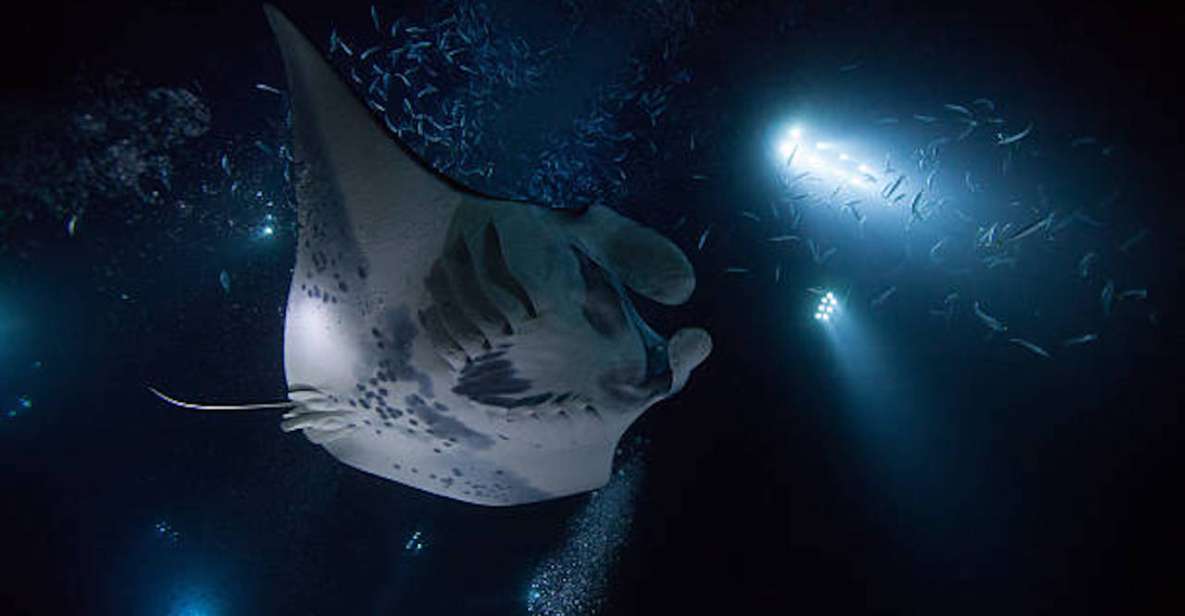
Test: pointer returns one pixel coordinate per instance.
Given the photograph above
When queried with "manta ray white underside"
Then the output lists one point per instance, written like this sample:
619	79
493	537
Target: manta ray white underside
482	350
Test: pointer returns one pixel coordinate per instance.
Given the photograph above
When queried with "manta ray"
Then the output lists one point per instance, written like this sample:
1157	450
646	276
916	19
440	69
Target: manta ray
479	349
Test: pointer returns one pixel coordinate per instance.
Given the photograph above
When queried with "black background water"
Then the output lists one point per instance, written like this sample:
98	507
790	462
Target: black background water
949	476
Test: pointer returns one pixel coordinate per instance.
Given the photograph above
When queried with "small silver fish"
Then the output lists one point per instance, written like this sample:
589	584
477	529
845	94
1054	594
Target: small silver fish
882	296
1085	263
1078	214
1030	346
958	109
784	238
1001	139
72	225
1031	228
936	248
703	238
266	88
926	119
971	126
1133	240
736	270
989	320
1083	339
224	281
1134	294
892	188
1106	296
913	206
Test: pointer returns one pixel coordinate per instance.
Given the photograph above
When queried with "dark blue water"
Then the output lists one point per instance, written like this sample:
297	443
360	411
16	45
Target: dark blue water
904	459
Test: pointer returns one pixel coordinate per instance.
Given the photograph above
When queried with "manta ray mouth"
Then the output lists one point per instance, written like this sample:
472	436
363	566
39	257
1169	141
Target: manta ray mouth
609	309
659	377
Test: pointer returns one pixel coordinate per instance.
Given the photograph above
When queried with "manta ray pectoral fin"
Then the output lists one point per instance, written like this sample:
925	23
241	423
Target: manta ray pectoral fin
390	198
266	406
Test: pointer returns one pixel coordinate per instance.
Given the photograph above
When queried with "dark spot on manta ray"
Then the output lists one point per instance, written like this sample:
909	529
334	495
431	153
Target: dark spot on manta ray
489	376
397	359
450	427
507	402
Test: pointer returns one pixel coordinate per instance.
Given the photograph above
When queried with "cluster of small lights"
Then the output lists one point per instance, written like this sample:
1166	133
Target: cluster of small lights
268	228
24	403
827	307
166	533
825	159
415	543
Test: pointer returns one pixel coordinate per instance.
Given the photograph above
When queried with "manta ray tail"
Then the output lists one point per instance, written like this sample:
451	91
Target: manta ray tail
266	406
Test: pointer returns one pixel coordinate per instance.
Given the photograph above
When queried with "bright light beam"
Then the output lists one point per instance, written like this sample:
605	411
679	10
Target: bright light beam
826	159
